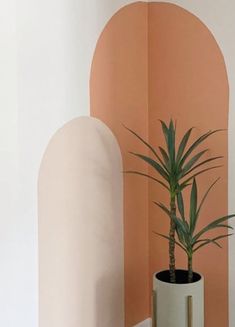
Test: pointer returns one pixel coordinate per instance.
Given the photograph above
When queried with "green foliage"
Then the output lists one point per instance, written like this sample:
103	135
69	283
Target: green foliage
176	167
174	164
188	239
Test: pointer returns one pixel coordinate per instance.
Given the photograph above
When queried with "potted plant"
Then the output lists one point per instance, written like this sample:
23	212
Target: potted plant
190	285
178	167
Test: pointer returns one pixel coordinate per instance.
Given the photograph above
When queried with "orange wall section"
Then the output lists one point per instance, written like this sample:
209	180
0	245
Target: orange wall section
188	82
154	61
119	94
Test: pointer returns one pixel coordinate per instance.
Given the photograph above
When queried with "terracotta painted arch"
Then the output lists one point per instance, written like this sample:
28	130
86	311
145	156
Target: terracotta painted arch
157	60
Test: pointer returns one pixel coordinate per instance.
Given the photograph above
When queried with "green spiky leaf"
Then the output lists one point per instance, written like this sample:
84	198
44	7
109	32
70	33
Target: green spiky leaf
180	204
165	158
193	206
183	145
146	144
196	144
186	182
169	239
163	207
214	224
191	163
154	164
201	164
212	241
148	176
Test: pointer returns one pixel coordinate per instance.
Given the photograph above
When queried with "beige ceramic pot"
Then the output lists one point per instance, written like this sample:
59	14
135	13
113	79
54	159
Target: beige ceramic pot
180	304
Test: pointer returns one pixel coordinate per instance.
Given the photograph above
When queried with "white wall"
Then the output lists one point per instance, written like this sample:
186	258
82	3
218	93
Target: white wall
12	228
46	52
45	57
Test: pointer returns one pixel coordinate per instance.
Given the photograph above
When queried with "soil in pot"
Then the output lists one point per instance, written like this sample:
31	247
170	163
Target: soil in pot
181	276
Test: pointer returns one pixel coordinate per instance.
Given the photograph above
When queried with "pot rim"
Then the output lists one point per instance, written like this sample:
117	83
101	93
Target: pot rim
201	278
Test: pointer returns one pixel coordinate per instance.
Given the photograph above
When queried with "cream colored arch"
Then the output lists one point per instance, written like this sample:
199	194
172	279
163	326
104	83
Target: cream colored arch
81	228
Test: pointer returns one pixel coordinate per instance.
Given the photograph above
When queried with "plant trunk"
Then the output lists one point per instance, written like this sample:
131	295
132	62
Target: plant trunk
172	242
190	269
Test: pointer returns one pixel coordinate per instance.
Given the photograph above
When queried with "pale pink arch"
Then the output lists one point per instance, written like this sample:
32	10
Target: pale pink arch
157	60
81	264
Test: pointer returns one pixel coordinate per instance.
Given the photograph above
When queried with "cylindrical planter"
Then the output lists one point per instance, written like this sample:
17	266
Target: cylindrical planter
180	304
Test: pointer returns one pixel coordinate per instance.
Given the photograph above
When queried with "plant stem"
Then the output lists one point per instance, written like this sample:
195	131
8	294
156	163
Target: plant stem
172	241
190	268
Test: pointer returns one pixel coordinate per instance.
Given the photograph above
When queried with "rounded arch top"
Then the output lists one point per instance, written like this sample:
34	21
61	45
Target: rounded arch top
146	8
80	222
158	60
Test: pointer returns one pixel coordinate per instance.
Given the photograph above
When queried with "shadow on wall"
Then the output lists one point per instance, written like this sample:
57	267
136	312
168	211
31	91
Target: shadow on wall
81	263
108	310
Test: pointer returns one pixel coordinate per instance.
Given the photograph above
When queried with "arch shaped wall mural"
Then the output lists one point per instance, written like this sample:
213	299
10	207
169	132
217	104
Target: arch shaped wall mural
81	228
157	61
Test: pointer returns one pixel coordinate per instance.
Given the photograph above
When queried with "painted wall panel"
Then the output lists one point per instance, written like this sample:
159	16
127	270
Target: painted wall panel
46	53
219	18
81	228
119	95
45	103
186	80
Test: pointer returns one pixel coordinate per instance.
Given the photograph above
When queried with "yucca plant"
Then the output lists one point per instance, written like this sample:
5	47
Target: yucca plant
190	239
177	166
